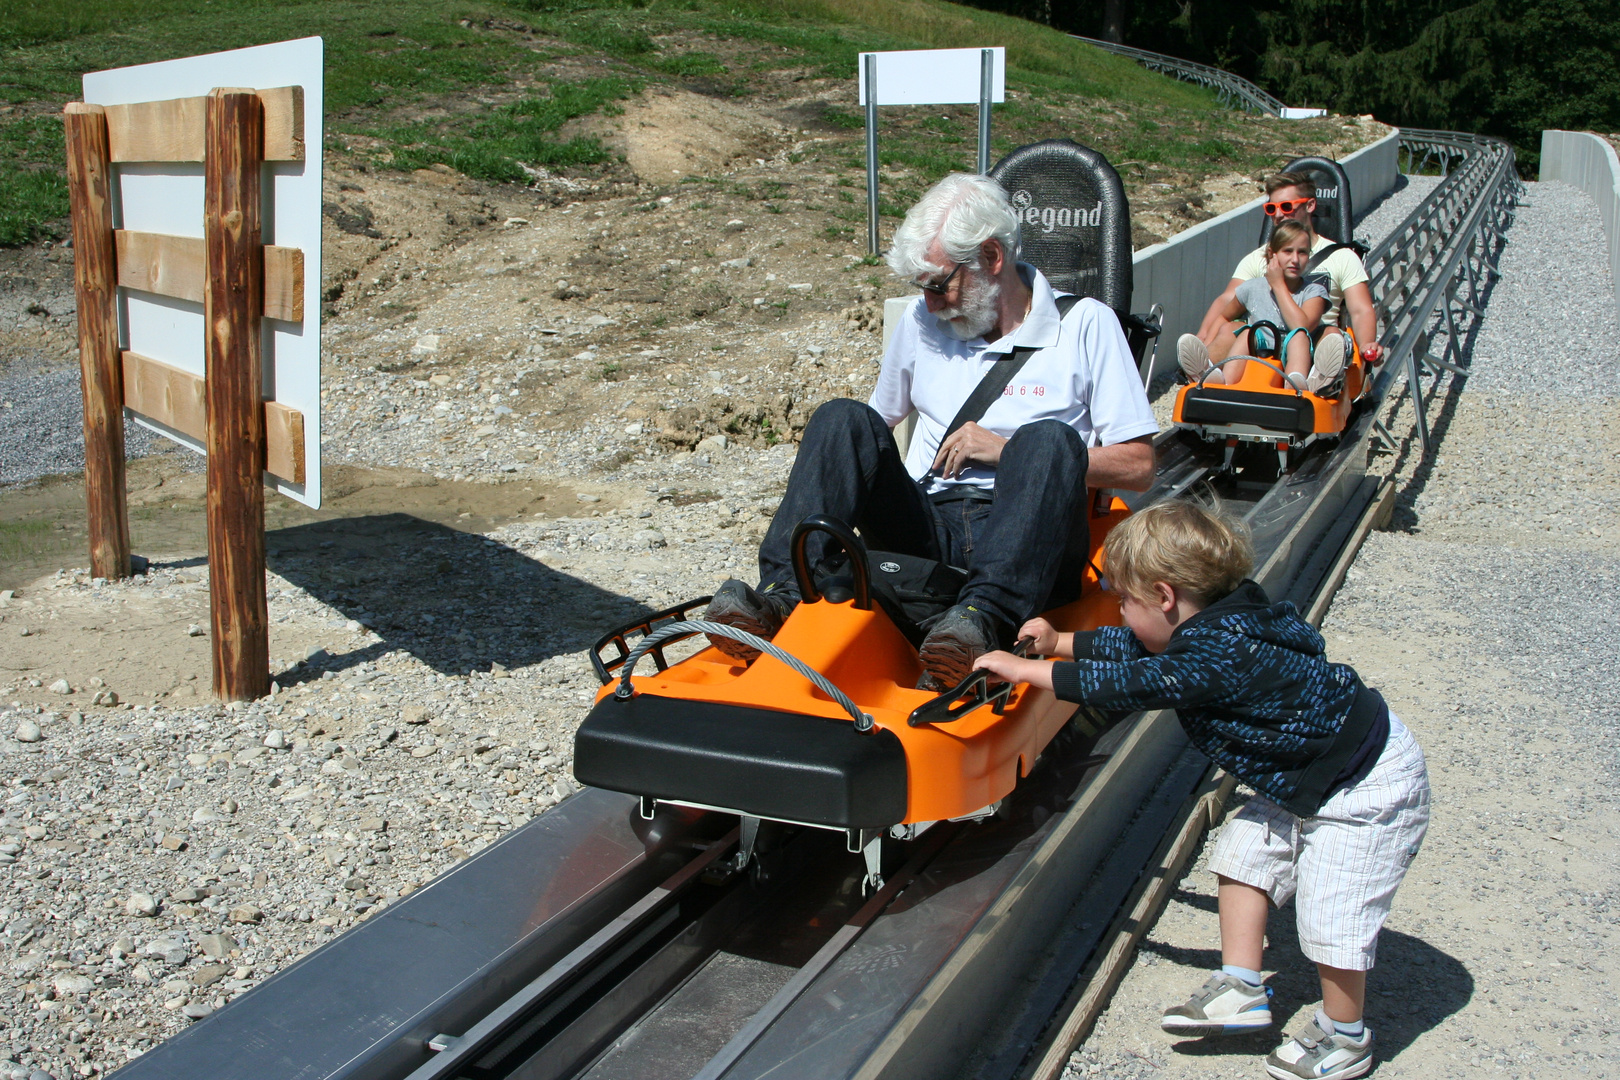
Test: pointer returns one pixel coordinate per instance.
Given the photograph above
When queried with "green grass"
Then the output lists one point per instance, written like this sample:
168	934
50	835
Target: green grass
392	64
23	539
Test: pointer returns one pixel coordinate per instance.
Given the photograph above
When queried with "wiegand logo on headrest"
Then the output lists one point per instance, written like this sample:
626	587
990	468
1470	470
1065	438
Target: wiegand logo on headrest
1049	217
1328	192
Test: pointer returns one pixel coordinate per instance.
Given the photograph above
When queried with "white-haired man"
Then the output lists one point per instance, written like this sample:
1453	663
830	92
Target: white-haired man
1005	497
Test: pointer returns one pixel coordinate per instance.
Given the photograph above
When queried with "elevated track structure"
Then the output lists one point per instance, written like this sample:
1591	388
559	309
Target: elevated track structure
591	943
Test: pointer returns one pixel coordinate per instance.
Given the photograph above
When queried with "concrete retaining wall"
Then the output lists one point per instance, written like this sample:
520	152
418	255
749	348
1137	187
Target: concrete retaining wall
1589	162
1190	269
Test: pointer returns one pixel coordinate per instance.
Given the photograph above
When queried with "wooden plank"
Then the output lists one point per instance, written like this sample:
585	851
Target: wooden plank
172	130
284	441
283	123
95	284
173	266
283	283
172	397
176	399
233	305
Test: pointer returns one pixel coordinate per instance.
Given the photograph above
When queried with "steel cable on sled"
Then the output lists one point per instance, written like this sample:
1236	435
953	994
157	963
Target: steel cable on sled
863	722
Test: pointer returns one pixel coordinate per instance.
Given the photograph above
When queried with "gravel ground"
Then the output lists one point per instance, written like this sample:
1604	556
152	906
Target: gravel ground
1486	616
43	428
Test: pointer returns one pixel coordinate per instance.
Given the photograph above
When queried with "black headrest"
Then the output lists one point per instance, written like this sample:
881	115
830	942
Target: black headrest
1076	221
1334	217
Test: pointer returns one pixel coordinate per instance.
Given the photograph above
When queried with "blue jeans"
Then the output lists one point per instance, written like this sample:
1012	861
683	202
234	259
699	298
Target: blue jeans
1025	551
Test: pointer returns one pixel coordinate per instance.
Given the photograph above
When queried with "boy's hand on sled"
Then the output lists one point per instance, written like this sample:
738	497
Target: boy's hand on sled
1013	669
1043	637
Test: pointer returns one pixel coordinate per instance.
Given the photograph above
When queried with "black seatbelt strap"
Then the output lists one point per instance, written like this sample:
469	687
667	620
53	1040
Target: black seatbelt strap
1322	256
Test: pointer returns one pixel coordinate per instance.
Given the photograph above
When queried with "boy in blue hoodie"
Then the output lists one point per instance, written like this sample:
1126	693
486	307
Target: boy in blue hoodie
1342	797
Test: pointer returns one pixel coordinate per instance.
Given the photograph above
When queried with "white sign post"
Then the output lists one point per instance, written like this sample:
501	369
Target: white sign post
196	195
927	77
161	200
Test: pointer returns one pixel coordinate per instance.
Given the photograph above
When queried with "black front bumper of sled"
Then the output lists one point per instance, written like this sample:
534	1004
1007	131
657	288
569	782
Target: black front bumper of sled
778	765
1274	412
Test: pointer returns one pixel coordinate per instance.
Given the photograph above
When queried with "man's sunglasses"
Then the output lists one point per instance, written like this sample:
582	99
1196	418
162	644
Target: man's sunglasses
1286	207
939	288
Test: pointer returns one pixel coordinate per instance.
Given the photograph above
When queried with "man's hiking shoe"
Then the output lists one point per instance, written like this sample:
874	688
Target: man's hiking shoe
1194	356
1321	1053
1327	364
960	636
759	613
1224	1005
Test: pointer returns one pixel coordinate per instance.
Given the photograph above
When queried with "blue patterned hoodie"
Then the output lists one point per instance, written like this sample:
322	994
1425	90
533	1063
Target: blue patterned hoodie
1250	684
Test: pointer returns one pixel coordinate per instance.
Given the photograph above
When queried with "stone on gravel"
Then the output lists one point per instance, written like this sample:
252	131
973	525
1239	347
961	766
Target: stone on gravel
195	630
208	975
141	905
67	985
196	1010
276	739
247	913
216	946
28	732
60	686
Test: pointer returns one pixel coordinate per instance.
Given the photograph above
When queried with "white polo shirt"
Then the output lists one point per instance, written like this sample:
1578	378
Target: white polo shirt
1082	374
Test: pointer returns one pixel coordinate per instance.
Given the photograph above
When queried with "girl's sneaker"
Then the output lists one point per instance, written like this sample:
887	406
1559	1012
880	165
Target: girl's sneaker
1194	356
1327	364
1225	1005
1321	1053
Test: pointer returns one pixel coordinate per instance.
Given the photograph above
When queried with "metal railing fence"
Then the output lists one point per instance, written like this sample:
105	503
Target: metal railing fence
1428	275
1233	91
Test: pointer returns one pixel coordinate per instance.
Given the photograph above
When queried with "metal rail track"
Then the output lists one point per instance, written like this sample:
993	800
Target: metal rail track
1232	90
591	944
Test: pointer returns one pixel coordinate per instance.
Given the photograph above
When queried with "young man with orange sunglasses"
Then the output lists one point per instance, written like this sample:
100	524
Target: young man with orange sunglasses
1292	197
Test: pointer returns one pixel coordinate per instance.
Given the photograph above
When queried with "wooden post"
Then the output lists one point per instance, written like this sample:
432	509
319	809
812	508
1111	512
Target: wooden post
233	302
95	281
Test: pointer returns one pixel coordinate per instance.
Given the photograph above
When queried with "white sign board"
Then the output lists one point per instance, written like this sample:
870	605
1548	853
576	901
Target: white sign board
1290	112
933	76
167	197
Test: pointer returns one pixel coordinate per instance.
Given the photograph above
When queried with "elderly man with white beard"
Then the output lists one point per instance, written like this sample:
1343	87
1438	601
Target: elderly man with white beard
1005	496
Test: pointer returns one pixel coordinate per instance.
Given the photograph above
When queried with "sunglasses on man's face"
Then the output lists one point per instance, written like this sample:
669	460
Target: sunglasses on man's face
939	288
1287	206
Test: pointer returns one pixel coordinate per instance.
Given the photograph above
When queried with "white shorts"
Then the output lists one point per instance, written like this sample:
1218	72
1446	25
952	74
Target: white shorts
1344	862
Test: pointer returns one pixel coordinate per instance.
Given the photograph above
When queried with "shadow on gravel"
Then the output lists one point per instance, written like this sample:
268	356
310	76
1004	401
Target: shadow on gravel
1414	987
454	600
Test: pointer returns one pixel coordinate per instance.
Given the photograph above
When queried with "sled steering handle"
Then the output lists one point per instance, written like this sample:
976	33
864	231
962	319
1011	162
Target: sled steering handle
853	547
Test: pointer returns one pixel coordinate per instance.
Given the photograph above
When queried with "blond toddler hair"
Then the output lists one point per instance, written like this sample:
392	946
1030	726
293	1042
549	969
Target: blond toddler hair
1204	553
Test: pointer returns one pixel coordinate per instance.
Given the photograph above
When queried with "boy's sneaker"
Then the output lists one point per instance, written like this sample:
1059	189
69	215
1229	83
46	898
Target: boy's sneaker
1194	356
1225	1005
1327	364
1321	1053
759	613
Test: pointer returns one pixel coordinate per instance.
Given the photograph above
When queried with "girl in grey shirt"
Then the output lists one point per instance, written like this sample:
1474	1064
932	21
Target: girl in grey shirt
1287	298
